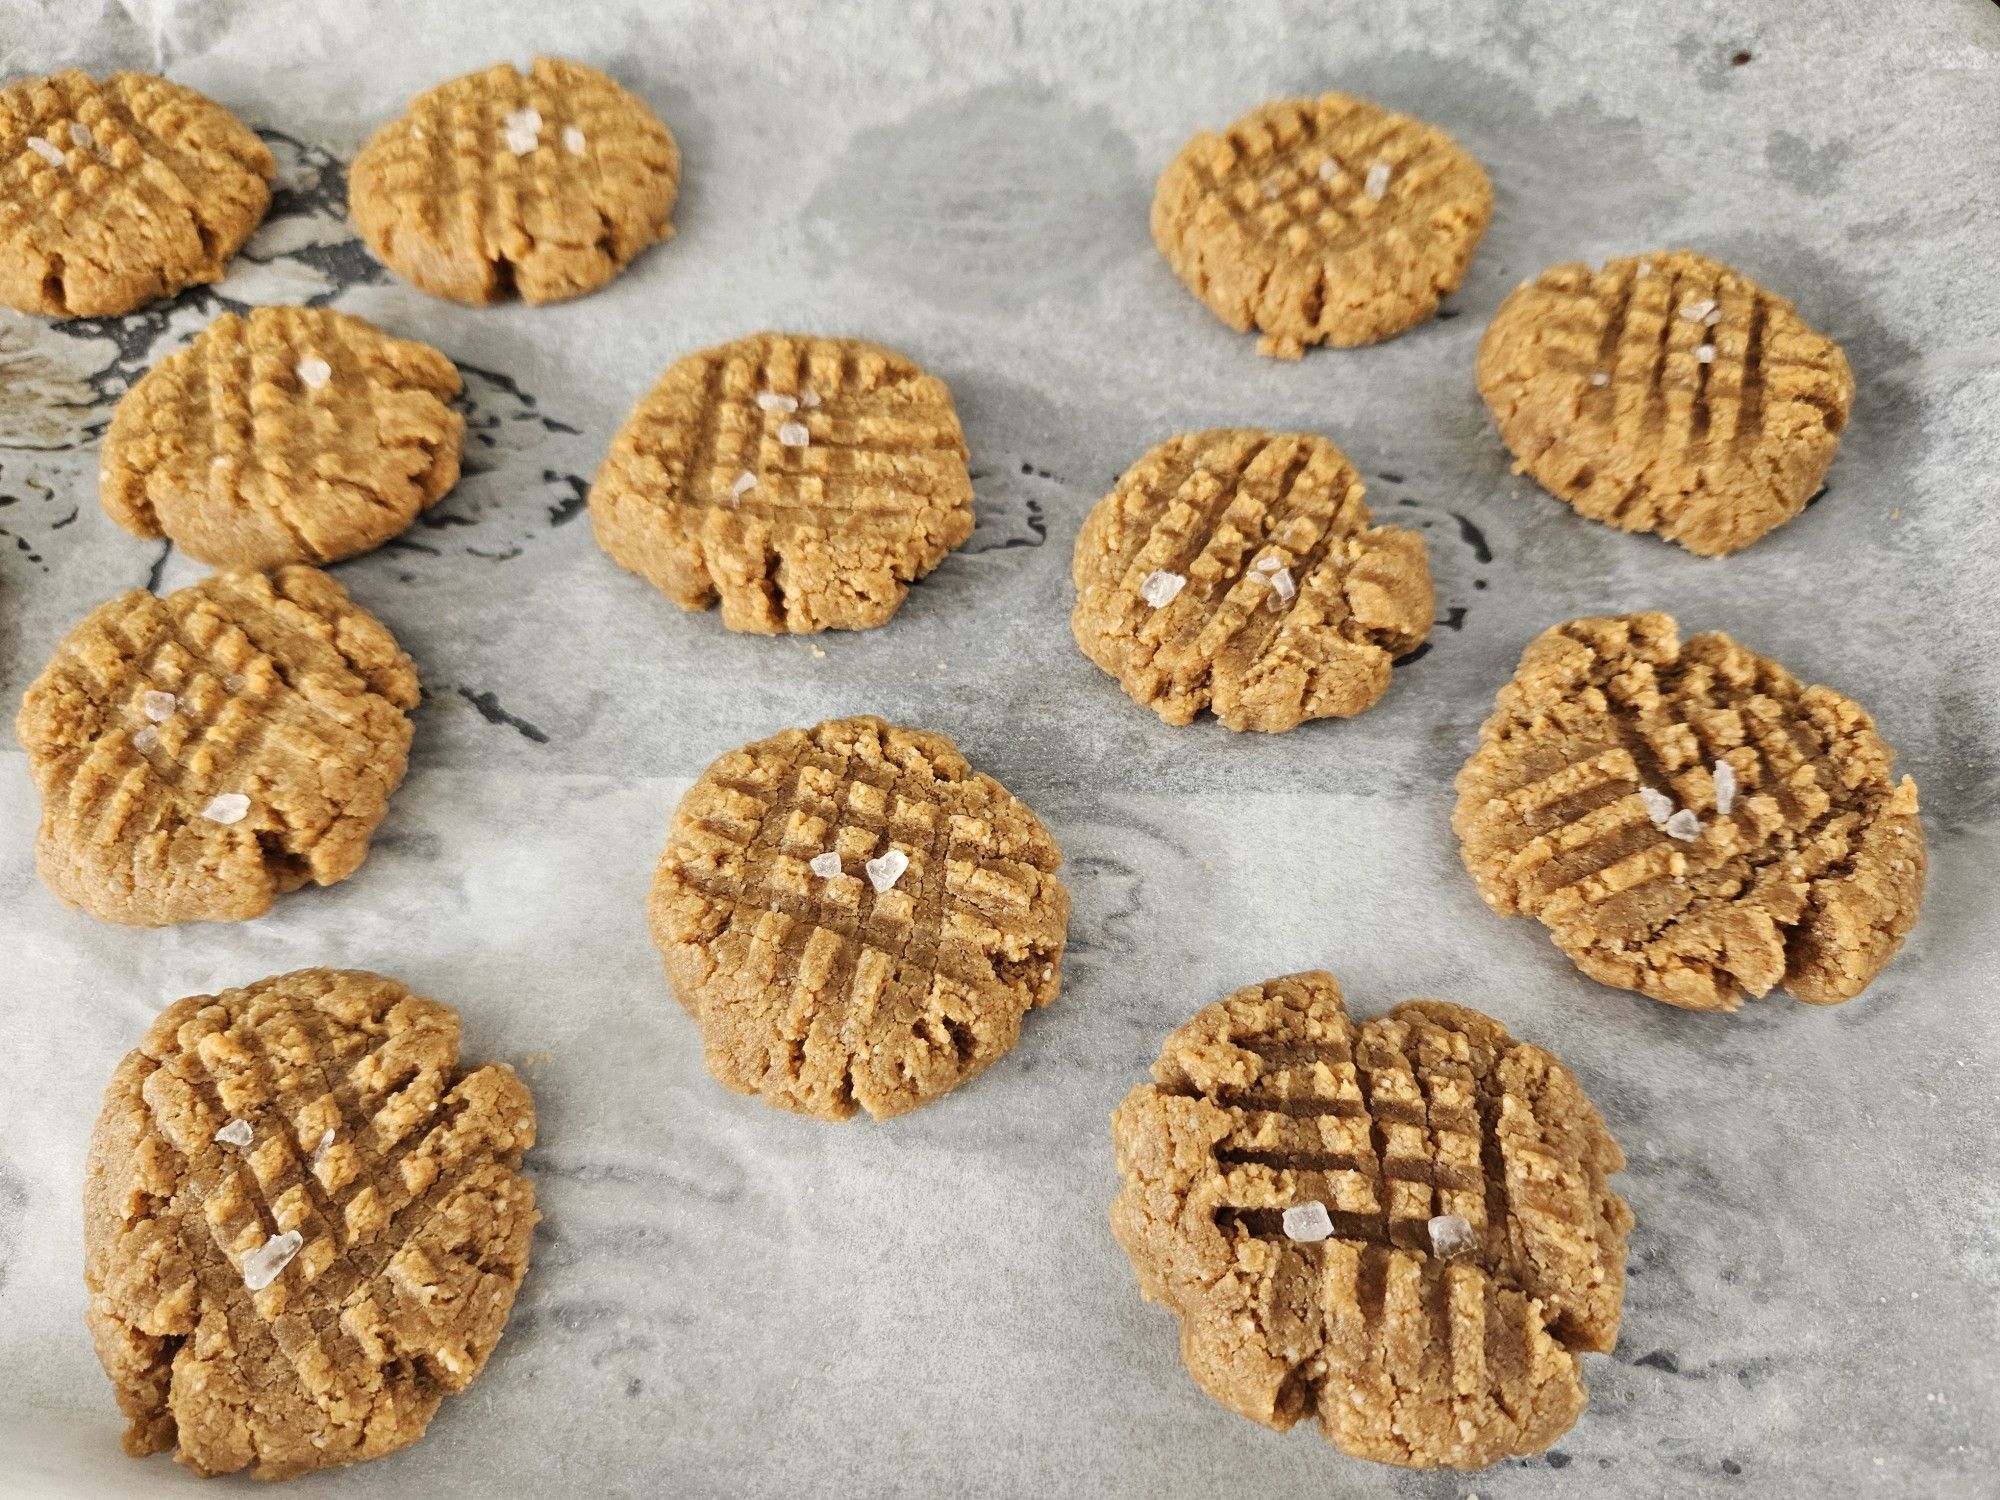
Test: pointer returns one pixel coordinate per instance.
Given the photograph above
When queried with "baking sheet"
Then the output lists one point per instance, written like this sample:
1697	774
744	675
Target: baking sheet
727	1300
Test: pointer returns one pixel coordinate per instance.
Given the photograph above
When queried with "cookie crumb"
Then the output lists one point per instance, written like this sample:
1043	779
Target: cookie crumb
158	706
79	134
818	654
262	1266
1697	312
1705	355
1161	587
235	1133
1451	1235
1659	806
1378	181
794	435
1328	170
886	869
1684	826
319	1152
1600	378
523	132
1725	786
744	483
47	151
315	372
572	140
1308	1223
826	865
773	401
227	807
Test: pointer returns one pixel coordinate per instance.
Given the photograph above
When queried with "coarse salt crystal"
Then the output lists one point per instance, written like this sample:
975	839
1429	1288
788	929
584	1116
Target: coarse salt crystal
1161	587
1271	187
524	130
886	869
262	1266
1684	826
1725	786
1282	586
319	1152
227	807
1659	806
794	435
315	372
1705	355
1308	1223
743	484
45	150
1697	312
1645	268
772	401
79	133
572	140
1266	565
158	706
235	1133
1378	181
1714	317
146	739
1451	1234
809	398
826	865
1600	378
1328	169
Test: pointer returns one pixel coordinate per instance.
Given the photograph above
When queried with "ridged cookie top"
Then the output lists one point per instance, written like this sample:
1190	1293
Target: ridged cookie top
1688	821
1403	1227
296	434
803	481
303	1225
201	752
1240	571
118	191
1668	394
1321	221
543	183
857	919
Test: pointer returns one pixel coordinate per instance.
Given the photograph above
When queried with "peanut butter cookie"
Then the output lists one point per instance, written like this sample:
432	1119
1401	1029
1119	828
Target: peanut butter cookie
1667	394
1402	1228
201	753
1321	221
119	191
803	481
1239	571
543	184
1688	821
296	434
303	1225
857	919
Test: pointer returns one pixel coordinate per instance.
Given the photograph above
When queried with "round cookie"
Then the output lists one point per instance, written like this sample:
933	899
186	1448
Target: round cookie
1688	821
857	919
544	184
803	481
297	434
1402	1228
1667	394
200	753
1239	571
303	1225
116	192
1321	221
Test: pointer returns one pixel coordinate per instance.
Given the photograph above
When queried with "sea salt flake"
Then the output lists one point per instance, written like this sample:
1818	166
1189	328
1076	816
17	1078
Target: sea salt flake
227	807
1697	312
158	706
315	372
45	150
1600	378
1378	181
79	134
262	1266
1328	169
772	401
1308	1223
572	140
794	435
1725	786
1684	826
1161	587
1705	355
235	1133
1451	1234
826	865
743	484
809	398
1282	586
1659	806
886	869
319	1152
524	130
1714	317
1266	565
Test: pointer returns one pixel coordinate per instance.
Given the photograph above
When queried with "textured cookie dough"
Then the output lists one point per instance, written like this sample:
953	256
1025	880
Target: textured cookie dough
543	184
1321	221
202	752
857	919
1667	394
119	191
1688	821
1401	1228
1238	571
805	482
296	434
303	1226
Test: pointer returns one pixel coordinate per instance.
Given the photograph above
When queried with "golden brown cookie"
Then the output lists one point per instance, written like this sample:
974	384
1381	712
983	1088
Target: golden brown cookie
1666	394
1688	821
200	753
118	191
803	481
857	919
1401	1228
297	434
542	184
1239	571
303	1225
1321	221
